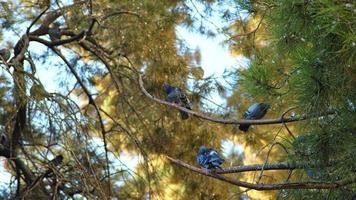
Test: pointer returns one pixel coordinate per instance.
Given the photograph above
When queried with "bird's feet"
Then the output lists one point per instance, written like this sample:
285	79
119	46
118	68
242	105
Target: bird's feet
206	171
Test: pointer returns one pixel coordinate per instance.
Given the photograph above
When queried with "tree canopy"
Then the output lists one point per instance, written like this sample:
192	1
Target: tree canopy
84	114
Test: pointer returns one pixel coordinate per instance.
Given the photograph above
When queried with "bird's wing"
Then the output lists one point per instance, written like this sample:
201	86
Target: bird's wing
253	111
173	96
214	159
260	111
253	107
213	156
203	161
184	100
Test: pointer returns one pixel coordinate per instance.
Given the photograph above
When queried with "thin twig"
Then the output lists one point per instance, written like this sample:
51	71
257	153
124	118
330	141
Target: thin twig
92	102
36	19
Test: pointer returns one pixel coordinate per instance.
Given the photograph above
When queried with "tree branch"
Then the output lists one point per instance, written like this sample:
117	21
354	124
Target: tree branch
265	167
229	121
52	166
260	186
36	19
92	102
59	42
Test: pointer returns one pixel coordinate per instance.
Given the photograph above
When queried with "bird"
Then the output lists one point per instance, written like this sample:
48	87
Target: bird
54	32
19	46
56	161
315	173
175	95
52	164
209	158
5	54
3	139
255	111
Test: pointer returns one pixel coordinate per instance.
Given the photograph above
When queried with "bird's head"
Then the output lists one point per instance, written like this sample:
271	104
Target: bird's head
60	157
167	87
57	160
3	139
55	25
202	149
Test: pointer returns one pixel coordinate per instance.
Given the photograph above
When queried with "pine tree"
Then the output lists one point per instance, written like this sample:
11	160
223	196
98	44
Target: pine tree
307	62
109	53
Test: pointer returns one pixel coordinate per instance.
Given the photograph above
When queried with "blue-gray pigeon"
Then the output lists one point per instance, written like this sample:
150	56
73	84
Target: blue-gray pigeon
5	54
3	139
54	32
56	161
209	158
175	95
256	111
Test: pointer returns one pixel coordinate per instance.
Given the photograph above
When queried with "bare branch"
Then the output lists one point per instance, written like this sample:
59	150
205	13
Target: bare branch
52	164
229	121
260	186
92	102
127	12
36	19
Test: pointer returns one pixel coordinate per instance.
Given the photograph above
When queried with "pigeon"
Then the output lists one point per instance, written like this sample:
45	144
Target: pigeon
209	158
315	173
5	54
175	95
54	32
3	139
19	46
256	111
56	161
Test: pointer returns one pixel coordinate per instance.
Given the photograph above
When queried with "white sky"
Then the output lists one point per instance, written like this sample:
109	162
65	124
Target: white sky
215	57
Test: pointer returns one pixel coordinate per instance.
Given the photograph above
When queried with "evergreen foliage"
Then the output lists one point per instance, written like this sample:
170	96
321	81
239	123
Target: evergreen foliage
309	62
114	140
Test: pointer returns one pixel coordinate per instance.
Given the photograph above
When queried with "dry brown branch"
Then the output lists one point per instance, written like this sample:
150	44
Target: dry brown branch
269	166
52	167
92	102
229	121
123	12
261	186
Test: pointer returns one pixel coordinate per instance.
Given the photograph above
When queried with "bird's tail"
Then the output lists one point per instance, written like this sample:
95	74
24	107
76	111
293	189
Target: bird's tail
219	167
244	127
183	115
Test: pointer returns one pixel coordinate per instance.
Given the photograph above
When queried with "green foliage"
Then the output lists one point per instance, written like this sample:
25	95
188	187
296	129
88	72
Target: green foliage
302	55
313	42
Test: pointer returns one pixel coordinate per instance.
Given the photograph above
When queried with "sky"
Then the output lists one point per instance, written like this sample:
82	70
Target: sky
215	59
215	55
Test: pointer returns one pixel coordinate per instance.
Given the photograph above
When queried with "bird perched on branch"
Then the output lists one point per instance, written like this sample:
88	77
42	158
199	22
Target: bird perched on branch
54	32
209	158
52	164
56	161
5	54
175	95
3	139
256	111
